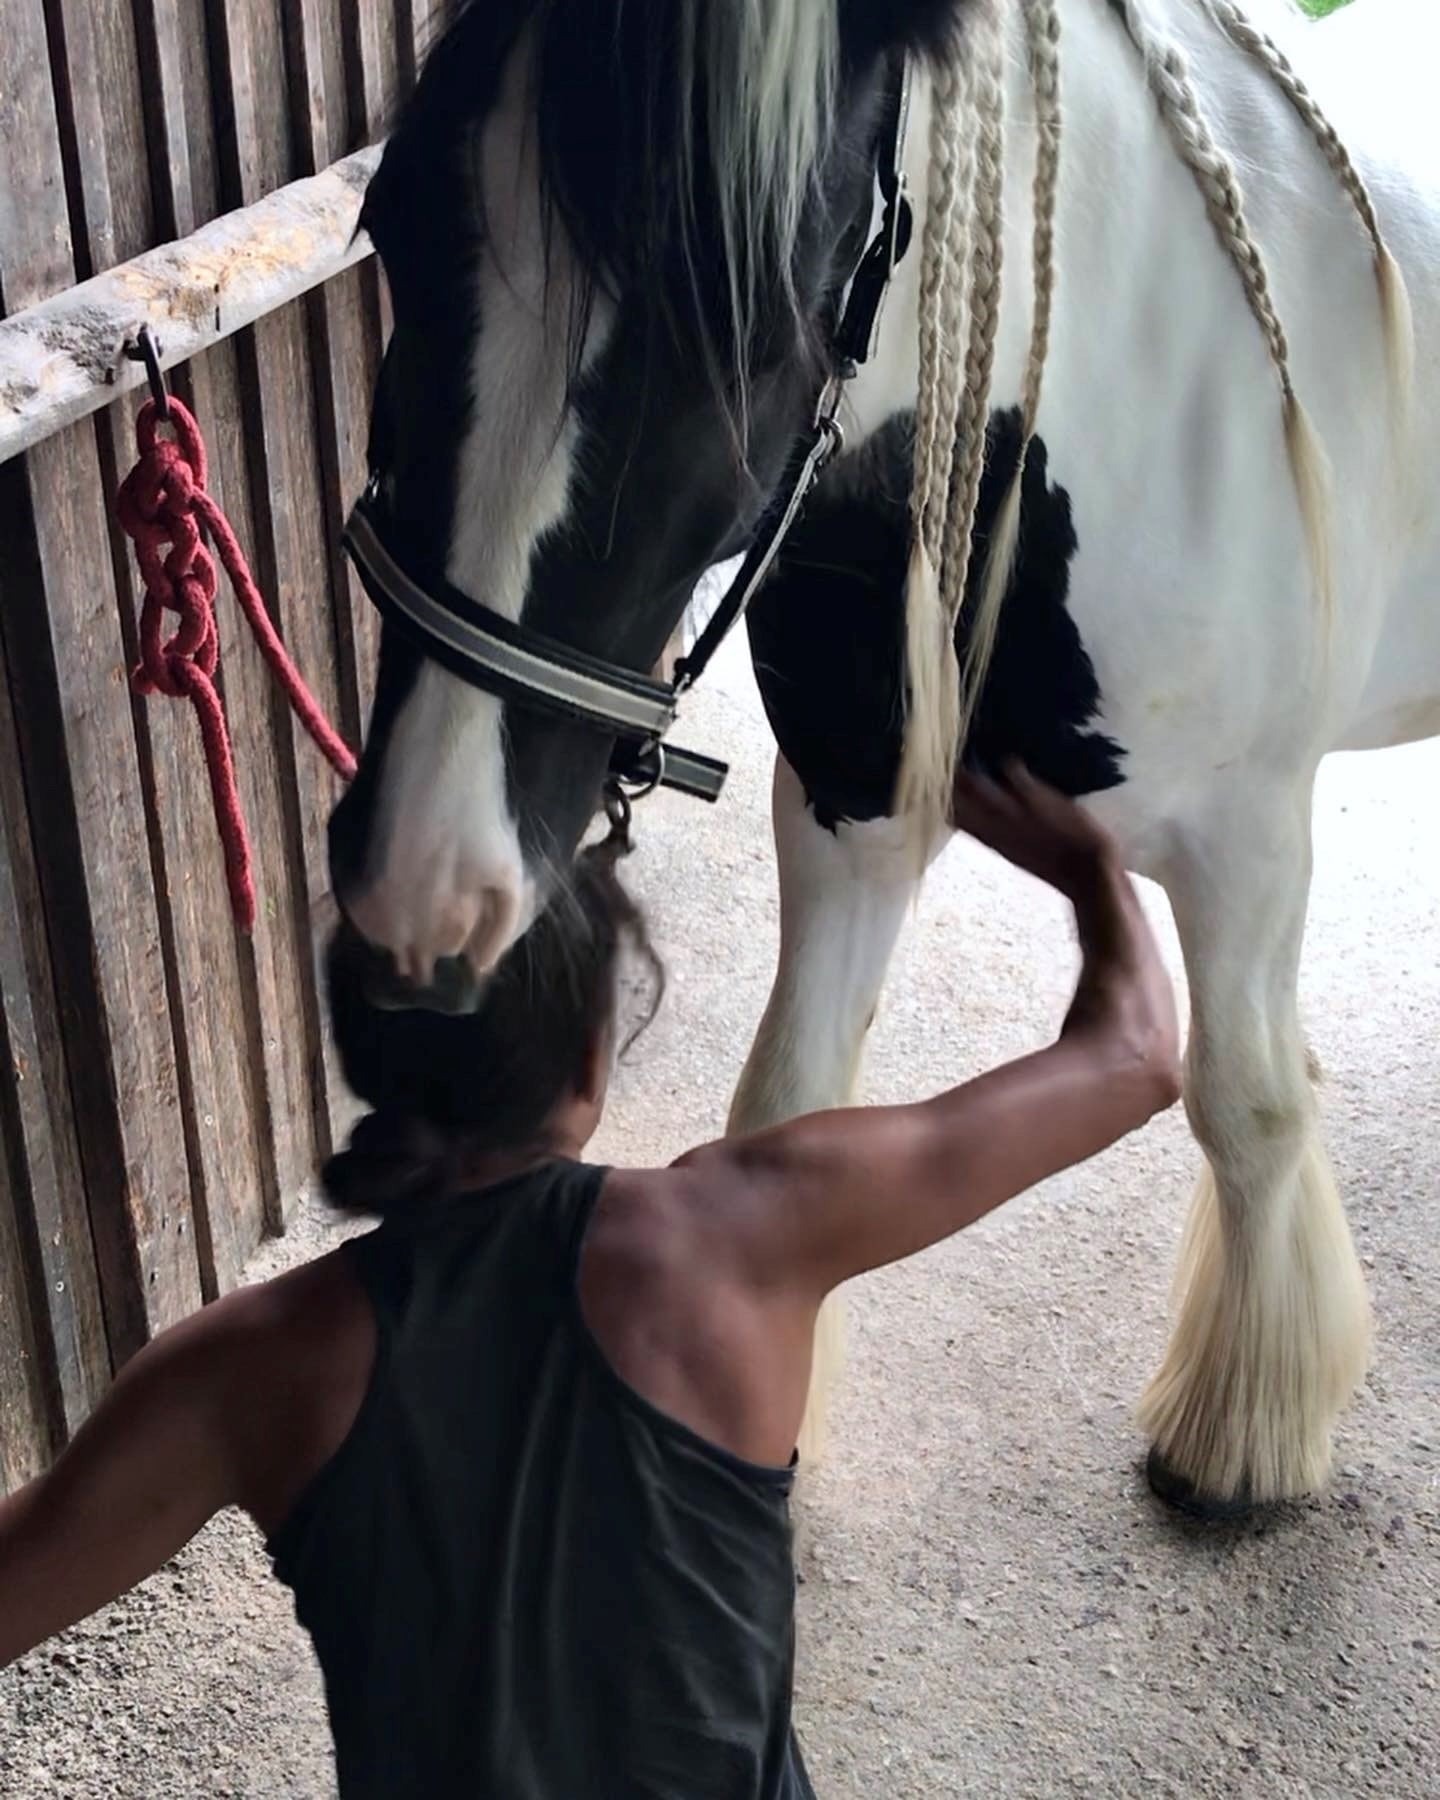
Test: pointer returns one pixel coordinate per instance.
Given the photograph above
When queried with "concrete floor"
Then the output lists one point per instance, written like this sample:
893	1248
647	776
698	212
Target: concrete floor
992	1603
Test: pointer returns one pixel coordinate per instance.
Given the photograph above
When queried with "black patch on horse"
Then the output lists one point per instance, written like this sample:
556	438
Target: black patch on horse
827	634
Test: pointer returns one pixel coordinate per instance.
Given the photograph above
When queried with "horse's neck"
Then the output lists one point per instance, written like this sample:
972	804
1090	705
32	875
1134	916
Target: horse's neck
1129	209
1092	94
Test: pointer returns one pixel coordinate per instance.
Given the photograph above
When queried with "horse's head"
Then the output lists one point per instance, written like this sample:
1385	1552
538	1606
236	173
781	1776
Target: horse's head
614	232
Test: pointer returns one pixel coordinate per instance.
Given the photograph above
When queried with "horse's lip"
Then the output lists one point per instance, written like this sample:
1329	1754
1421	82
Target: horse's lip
455	991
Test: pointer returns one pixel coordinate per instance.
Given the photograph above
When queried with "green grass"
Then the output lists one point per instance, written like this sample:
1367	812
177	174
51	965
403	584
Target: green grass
1318	8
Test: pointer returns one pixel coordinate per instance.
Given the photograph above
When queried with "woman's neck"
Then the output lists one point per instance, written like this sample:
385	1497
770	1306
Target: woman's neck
481	1166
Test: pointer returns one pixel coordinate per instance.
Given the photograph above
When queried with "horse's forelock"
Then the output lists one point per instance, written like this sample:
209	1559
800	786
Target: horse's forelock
680	143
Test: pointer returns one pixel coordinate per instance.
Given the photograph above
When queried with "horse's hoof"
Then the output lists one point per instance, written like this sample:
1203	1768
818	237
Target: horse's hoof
1179	1491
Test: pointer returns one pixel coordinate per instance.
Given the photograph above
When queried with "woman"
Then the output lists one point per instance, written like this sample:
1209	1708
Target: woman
524	1452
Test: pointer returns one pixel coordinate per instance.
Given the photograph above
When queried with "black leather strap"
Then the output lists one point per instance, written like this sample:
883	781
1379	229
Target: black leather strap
855	339
507	659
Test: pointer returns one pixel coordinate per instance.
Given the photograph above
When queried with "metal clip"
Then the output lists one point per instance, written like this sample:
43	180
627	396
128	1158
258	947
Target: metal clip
146	348
617	810
827	407
645	773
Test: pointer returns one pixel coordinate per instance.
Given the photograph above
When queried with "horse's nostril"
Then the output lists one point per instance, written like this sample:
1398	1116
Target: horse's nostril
453	989
496	928
421	925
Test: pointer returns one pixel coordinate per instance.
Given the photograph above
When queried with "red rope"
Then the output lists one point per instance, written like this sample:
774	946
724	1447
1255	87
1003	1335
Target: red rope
164	506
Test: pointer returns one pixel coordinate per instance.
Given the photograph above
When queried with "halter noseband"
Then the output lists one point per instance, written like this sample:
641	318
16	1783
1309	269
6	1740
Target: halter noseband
491	652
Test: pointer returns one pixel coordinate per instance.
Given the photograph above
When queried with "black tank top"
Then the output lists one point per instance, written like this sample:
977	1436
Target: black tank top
523	1581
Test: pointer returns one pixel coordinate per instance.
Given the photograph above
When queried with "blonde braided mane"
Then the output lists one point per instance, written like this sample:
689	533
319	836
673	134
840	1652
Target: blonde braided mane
1394	300
960	297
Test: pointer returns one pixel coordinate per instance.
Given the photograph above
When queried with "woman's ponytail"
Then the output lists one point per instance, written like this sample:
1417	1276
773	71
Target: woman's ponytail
393	1161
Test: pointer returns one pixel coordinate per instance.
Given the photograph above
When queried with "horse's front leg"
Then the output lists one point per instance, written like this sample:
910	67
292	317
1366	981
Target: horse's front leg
844	893
1273	1328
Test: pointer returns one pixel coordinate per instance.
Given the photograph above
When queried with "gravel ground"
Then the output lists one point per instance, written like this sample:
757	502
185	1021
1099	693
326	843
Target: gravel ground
992	1603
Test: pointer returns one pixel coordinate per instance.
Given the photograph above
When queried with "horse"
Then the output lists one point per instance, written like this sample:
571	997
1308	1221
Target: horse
1133	487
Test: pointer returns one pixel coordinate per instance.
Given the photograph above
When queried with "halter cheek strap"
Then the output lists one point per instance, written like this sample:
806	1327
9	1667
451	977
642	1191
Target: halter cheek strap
493	653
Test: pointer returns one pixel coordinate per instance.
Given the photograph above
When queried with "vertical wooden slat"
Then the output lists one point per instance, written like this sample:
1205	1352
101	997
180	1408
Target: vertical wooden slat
340	341
372	70
286	480
28	1426
48	1234
214	988
31	1397
34	185
163	78
261	736
67	673
31	1403
212	1015
372	83
407	67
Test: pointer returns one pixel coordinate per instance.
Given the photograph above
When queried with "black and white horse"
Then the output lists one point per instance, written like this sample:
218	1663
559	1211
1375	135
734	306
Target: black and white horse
615	230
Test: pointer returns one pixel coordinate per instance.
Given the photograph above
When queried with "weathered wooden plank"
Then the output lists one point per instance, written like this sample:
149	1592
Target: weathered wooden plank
372	82
28	1434
342	349
290	515
45	1183
74	725
335	316
286	489
407	66
261	735
209	974
72	706
102	131
32	1388
342	339
372	72
34	184
203	977
82	132
161	47
212	975
419	25
110	932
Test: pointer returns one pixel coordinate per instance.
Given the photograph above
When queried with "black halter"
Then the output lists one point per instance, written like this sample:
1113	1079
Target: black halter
511	661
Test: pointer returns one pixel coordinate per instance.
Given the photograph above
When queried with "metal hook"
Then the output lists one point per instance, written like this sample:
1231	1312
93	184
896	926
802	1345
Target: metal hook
146	348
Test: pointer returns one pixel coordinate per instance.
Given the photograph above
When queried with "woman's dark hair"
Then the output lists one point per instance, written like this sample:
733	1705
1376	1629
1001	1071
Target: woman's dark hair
444	1085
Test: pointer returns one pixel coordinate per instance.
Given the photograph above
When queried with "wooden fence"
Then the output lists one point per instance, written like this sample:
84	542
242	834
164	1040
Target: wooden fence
165	1087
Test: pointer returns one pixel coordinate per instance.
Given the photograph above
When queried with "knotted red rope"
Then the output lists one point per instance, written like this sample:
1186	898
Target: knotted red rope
165	508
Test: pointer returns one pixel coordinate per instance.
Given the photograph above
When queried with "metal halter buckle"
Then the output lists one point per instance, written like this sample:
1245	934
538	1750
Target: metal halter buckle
637	781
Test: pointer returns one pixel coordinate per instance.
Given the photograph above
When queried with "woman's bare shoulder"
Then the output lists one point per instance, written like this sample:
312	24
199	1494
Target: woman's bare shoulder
668	1294
298	1353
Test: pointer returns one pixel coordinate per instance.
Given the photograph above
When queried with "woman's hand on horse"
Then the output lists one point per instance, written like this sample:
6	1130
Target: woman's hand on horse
813	1202
1036	829
1124	991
